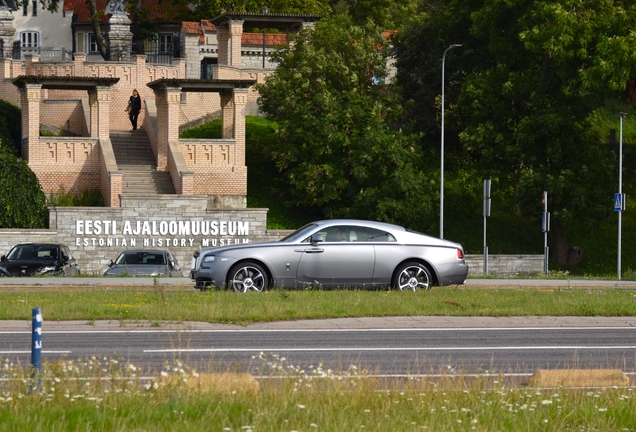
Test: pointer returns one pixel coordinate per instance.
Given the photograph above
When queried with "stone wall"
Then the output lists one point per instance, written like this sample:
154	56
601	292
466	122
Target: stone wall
506	265
181	225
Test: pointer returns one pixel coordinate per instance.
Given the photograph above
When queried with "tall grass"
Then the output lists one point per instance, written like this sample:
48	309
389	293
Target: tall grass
228	307
107	394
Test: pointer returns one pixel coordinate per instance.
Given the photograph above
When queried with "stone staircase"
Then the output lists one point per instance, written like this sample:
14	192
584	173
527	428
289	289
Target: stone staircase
137	163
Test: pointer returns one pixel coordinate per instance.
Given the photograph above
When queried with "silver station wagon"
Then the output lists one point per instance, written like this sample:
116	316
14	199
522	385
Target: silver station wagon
334	253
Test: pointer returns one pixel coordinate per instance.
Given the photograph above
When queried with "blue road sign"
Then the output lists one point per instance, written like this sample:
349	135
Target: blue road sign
619	202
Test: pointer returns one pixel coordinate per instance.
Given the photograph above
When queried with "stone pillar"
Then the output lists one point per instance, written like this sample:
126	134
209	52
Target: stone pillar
227	115
30	97
92	103
103	95
180	65
236	33
7	31
119	37
79	60
162	121
5	68
173	100
29	59
223	42
240	103
303	26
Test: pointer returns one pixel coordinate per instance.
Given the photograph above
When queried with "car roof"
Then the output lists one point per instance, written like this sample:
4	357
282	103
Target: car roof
39	244
373	224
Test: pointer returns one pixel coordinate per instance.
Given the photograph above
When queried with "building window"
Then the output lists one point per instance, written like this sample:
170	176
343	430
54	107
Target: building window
35	8
29	39
25	9
92	43
206	67
165	43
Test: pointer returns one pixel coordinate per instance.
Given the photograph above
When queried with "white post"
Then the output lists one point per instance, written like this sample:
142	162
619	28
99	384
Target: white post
620	190
441	186
486	214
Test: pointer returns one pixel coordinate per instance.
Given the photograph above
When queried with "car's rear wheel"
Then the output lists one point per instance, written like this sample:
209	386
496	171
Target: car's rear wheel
412	276
246	277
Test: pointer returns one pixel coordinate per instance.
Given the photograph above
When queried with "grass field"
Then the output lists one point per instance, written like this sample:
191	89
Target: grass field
157	306
105	394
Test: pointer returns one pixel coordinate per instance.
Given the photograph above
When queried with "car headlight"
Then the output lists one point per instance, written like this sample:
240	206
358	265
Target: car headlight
207	261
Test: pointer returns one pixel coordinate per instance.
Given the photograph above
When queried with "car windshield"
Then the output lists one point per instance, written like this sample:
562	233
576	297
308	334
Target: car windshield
141	258
300	233
33	252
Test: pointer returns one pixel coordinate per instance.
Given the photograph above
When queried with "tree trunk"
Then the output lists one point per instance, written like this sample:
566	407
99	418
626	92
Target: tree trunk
99	39
560	248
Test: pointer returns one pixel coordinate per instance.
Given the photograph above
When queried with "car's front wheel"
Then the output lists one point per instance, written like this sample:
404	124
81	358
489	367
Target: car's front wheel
412	276
246	277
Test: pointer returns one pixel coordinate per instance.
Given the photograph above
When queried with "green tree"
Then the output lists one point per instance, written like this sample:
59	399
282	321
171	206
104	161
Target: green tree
22	202
341	144
208	9
10	127
532	75
389	14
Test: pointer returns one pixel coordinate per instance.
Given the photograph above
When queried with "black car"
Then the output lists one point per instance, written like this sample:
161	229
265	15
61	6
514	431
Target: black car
32	259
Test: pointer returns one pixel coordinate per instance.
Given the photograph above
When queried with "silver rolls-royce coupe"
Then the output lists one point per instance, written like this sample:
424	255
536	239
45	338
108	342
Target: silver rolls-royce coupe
331	254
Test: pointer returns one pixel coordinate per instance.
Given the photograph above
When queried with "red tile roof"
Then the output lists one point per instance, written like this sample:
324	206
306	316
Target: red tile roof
191	27
208	26
257	39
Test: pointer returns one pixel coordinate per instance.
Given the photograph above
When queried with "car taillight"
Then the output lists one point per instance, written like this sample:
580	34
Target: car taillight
460	254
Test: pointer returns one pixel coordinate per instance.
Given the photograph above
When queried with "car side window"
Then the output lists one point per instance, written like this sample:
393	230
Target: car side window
376	235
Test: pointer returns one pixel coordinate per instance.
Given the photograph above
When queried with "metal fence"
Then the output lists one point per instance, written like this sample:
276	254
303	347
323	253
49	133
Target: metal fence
18	52
156	52
9	51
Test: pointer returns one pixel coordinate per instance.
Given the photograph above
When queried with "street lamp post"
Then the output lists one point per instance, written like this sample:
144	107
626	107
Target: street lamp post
620	190
441	186
264	10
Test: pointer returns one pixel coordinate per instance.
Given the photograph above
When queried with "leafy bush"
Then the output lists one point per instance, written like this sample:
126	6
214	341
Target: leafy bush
265	186
10	127
83	198
22	202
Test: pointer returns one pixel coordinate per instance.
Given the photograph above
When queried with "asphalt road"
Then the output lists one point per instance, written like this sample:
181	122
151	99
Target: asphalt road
385	346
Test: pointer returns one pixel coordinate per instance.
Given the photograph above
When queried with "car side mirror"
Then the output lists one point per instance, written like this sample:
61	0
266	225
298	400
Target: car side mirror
316	238
3	258
171	264
110	263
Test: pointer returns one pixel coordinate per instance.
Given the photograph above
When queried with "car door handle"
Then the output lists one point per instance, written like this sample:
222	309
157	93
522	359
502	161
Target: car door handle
316	250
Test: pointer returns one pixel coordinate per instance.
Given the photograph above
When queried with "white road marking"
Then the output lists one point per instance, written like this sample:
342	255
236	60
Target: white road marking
480	348
338	330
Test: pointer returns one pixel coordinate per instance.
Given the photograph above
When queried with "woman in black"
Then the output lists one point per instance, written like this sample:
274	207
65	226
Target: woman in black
134	106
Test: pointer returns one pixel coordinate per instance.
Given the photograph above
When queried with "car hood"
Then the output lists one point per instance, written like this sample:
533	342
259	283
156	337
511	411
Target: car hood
26	268
137	270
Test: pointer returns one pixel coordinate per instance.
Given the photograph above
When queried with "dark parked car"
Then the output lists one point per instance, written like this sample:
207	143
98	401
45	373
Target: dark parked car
334	253
32	259
144	263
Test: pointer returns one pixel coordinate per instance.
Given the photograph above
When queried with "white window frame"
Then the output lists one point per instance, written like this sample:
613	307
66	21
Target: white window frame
164	40
30	39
